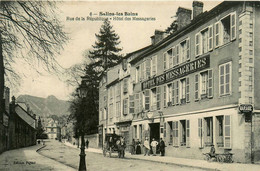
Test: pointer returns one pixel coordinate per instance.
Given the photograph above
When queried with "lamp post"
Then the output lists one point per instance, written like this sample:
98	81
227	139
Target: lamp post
82	91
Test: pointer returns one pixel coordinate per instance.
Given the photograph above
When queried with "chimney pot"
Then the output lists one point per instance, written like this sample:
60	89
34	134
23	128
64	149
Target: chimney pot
158	36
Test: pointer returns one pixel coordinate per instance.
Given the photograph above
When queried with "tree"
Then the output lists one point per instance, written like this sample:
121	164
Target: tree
29	30
172	28
40	131
105	52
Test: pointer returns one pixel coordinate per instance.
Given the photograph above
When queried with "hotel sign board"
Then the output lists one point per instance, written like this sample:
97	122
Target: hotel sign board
178	72
245	108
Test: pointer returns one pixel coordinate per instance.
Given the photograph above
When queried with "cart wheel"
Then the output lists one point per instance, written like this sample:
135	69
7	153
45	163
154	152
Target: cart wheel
207	157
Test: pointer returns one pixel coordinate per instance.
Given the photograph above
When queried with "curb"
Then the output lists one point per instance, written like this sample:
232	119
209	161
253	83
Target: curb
40	148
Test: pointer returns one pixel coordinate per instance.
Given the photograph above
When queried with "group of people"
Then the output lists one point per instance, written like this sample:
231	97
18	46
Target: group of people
148	147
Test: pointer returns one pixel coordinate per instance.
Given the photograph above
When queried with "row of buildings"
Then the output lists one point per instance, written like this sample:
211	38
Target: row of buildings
17	125
195	88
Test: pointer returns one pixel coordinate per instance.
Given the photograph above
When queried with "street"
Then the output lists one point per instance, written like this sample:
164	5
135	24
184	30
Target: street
70	156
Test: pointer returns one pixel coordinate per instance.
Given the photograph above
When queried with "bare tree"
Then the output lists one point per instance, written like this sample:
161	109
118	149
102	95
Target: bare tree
31	31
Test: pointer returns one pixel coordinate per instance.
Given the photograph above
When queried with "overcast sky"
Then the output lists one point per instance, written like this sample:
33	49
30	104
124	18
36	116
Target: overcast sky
133	36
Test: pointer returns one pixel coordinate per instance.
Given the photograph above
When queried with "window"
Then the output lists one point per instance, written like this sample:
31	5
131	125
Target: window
198	44
117	109
137	103
125	104
173	93
209	131
131	104
204	85
153	99
227	131
219	131
175	133
164	96
165	62
154	65
184	51
204	81
204	41
147	99
140	132
183	129
183	91
224	79
225	30
210	38
118	100
125	85
169	94
169	56
137	76
135	131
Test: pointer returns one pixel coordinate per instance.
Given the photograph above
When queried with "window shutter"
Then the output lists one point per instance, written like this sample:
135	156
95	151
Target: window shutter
139	73
148	68
197	44
200	131
210	38
187	89
187	133
132	104
125	85
141	101
196	87
217	34
188	49
125	102
164	96
158	98
142	71
233	26
169	53
177	92
165	61
173	94
147	99
173	57
177	54
154	65
210	83
227	131
137	103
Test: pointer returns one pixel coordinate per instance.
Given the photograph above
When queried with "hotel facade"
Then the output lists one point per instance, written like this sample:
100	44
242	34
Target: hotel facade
194	88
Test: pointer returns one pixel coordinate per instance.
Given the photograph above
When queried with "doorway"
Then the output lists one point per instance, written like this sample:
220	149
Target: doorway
155	133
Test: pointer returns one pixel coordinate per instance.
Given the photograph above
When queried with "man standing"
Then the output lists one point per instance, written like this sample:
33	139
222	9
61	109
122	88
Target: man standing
162	147
146	147
154	144
87	143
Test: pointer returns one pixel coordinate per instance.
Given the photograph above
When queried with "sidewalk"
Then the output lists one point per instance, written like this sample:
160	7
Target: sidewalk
201	164
27	159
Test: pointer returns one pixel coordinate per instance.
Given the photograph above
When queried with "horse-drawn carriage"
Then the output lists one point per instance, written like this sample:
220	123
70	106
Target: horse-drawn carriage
110	144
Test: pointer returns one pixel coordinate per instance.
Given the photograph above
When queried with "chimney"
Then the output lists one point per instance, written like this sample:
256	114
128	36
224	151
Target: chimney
157	37
183	17
197	8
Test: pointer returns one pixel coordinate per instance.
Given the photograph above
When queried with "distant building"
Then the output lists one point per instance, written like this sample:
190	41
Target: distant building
53	130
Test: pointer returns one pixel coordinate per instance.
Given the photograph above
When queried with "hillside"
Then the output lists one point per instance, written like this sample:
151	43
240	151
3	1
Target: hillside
45	106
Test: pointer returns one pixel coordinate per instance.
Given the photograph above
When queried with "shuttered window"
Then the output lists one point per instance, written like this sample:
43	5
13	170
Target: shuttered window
154	65
187	89
125	85
210	83
132	104
148	68
173	57
196	87
175	133
227	131
165	61
147	99
137	103
233	26
188	49
125	104
177	50
158	98
210	38
141	96
197	44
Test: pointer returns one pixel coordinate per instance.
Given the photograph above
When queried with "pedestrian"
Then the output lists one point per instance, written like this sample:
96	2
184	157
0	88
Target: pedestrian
154	145
87	143
146	147
121	147
133	147
162	147
138	147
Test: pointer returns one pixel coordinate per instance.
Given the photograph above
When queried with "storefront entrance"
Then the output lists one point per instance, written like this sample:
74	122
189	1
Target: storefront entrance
155	131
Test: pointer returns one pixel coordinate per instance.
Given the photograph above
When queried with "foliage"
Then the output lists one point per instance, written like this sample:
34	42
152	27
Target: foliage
105	53
40	131
84	111
172	28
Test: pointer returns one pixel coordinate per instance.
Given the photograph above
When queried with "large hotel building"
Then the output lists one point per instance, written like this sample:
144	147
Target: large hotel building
194	88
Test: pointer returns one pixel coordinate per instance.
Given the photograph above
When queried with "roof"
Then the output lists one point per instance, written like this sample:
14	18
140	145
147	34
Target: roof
198	21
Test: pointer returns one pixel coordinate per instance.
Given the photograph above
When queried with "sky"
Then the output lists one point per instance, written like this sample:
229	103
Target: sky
133	35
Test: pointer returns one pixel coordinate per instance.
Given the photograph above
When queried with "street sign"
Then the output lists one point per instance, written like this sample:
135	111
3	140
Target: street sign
245	108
